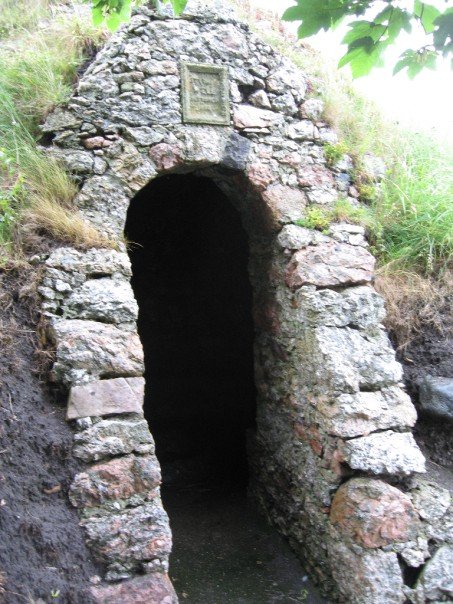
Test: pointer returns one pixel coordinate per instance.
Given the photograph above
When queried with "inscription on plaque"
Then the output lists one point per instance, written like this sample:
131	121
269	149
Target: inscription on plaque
205	94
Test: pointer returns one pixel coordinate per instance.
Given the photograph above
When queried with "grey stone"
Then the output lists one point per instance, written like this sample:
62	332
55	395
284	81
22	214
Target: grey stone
348	360
367	577
312	109
60	119
236	152
294	237
106	397
431	501
374	166
436	397
247	116
143	135
385	453
88	350
436	581
260	99
300	131
127	540
112	437
106	300
76	162
92	263
355	306
352	415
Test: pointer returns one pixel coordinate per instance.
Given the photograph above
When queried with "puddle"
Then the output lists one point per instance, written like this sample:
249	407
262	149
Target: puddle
224	552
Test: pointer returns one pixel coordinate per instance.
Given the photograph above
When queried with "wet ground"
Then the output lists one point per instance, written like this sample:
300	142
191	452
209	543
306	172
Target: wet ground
225	553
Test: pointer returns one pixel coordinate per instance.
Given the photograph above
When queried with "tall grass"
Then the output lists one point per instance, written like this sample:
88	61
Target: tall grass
38	71
16	15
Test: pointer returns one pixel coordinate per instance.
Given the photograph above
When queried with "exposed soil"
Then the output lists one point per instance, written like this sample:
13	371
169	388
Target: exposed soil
431	353
43	557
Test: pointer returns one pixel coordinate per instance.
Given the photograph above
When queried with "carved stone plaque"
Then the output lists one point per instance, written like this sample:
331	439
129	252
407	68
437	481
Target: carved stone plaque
205	94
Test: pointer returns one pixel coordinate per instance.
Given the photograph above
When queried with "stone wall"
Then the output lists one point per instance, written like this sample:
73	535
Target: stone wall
333	458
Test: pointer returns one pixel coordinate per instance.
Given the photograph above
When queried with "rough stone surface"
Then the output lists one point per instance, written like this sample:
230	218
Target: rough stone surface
155	588
359	414
110	437
116	479
106	397
325	370
376	576
129	539
385	453
88	350
436	397
373	513
436	581
283	205
330	265
105	300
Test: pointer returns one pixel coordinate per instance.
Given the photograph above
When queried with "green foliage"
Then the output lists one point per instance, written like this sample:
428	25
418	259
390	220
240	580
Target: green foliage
19	14
115	12
335	152
343	210
368	39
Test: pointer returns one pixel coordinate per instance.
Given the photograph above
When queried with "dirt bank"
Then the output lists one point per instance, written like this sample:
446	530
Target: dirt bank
42	552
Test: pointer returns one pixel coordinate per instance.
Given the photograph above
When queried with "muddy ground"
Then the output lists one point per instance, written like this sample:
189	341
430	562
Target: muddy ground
42	552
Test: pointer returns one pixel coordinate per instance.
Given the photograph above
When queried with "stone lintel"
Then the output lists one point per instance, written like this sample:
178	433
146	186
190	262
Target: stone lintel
106	397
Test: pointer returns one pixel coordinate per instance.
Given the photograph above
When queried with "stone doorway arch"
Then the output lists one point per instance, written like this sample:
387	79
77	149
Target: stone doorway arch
333	423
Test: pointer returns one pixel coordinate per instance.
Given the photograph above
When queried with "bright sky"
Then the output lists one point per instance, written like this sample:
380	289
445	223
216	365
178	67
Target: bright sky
425	103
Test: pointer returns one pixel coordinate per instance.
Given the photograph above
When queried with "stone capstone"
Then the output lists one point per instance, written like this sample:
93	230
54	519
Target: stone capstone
118	479
154	588
372	513
110	437
93	263
436	397
247	116
88	350
106	397
385	453
330	265
128	540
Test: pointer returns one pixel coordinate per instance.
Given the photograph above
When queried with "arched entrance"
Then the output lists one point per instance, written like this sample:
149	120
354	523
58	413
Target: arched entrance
190	255
189	258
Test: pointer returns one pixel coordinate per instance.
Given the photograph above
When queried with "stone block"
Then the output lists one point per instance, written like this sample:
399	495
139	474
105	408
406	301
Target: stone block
129	539
330	264
294	237
247	116
348	360
155	588
111	437
436	397
436	580
115	480
236	152
366	577
165	156
385	453
283	204
372	513
91	263
88	350
106	300
106	397
359	414
358	306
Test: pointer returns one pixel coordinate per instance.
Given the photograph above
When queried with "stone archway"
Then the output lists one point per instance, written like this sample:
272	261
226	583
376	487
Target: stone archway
333	424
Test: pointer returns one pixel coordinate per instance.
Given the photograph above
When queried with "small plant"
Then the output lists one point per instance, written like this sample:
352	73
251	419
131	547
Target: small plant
334	153
316	218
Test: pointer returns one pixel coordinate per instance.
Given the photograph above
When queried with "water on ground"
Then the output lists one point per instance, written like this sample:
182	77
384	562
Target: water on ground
224	552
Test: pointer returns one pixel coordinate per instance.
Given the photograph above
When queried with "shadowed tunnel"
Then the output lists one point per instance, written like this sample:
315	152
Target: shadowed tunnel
189	262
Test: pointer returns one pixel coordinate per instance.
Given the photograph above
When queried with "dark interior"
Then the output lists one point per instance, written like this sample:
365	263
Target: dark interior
189	257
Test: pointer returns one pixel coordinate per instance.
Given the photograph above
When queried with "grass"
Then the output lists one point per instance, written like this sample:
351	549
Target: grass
39	69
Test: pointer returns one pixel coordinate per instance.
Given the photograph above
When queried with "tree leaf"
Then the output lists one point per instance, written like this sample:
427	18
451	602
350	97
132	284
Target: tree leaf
178	6
427	15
